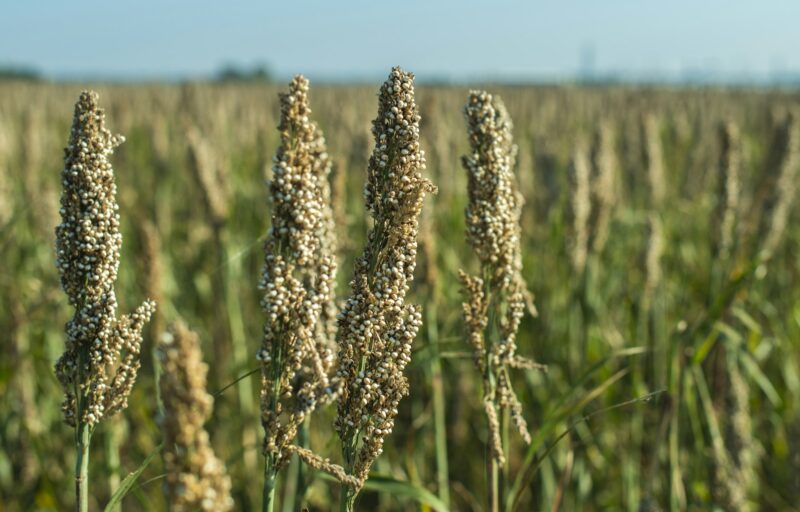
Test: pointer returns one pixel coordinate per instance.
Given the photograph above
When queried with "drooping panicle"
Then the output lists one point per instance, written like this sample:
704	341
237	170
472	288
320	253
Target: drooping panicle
604	186
581	208
196	477
376	325
206	170
101	361
298	278
783	158
652	260
654	159
497	298
726	211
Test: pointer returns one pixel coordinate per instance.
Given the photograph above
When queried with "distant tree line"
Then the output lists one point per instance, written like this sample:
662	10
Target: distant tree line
233	73
18	73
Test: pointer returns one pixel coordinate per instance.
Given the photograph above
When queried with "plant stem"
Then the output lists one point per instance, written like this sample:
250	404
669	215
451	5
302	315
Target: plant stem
348	499
348	496
270	478
82	467
505	444
244	387
113	437
439	410
297	476
494	484
490	337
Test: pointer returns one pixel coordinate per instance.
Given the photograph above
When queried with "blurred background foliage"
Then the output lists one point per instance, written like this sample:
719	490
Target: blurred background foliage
610	334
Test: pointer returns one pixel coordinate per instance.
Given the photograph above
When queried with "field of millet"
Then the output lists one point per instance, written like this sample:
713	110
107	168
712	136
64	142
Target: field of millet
638	242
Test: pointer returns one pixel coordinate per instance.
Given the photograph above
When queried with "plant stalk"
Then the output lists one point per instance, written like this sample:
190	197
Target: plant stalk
270	481
348	499
439	409
494	484
113	438
82	467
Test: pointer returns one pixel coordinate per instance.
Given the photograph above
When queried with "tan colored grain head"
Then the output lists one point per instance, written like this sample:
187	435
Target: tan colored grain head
101	360
297	280
496	300
377	326
196	477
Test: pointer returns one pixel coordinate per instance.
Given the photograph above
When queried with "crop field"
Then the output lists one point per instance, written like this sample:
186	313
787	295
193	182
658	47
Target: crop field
625	334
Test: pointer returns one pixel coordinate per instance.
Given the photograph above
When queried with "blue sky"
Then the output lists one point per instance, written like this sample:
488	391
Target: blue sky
461	40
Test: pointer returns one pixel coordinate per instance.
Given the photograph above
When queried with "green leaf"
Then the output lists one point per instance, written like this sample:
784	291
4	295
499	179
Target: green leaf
702	351
729	332
558	414
747	320
126	485
751	367
389	485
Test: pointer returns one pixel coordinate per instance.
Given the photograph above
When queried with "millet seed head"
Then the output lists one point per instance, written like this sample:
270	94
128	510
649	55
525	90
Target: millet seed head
196	477
101	361
376	325
298	279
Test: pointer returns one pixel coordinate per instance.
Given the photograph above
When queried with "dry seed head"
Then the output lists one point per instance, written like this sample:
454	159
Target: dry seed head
654	160
196	478
727	207
735	451
298	278
376	326
493	231
655	250
102	351
318	463
786	156
745	449
495	205
604	189
207	172
581	208
6	206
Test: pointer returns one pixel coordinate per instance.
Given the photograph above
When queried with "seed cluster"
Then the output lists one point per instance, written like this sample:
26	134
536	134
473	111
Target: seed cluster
726	211
101	361
581	208
654	159
376	326
207	173
196	478
652	260
496	300
298	278
604	189
785	157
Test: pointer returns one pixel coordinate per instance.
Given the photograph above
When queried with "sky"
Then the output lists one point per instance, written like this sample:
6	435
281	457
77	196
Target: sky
458	40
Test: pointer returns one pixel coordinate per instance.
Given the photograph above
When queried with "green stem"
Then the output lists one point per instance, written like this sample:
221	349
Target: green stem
270	466
504	444
347	500
297	476
347	503
113	437
439	409
270	480
292	485
82	467
490	336
494	484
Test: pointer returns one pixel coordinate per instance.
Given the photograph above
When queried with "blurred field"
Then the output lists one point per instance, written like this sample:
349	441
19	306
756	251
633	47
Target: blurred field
609	336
